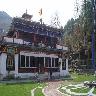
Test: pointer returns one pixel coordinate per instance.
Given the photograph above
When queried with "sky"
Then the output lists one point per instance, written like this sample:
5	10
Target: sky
64	9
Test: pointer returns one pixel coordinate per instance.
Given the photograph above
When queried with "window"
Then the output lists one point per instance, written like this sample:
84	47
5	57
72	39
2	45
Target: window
48	62
53	62
22	61
64	64
56	62
27	61
41	61
36	62
32	61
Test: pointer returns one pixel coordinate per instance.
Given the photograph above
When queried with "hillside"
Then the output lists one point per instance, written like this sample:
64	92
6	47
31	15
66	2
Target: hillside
5	21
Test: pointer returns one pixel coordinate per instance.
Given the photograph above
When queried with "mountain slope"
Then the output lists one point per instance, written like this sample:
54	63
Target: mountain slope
5	21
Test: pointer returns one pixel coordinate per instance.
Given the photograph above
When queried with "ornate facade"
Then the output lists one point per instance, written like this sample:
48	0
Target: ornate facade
32	48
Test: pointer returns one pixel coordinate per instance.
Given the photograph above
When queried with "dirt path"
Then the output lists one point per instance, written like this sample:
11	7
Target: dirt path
51	89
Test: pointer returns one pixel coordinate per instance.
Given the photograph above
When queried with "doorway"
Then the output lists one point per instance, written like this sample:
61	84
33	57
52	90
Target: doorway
40	64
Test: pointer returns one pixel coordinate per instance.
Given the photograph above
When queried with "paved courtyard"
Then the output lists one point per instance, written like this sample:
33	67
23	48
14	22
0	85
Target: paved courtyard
51	89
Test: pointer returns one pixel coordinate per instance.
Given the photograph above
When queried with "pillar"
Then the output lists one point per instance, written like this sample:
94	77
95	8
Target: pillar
66	64
51	62
44	62
16	64
60	61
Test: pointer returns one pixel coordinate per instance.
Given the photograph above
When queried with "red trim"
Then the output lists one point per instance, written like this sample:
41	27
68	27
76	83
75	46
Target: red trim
27	70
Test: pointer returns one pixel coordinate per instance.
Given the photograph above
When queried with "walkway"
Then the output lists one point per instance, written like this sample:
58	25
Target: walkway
51	89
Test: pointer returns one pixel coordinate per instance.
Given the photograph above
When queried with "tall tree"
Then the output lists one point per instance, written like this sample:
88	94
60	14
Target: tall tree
78	31
55	22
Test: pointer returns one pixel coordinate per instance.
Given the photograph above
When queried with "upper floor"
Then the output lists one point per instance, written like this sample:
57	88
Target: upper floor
34	32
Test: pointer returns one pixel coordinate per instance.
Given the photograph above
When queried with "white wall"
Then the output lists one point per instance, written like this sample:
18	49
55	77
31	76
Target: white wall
18	41
3	64
1	76
3	70
0	64
37	54
25	75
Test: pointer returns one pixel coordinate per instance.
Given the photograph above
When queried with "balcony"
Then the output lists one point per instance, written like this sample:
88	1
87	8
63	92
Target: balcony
29	45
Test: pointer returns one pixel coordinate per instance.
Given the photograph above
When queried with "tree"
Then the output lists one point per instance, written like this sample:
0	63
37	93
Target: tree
55	22
78	31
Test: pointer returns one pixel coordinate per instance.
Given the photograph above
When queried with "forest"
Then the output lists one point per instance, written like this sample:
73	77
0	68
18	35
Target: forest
77	36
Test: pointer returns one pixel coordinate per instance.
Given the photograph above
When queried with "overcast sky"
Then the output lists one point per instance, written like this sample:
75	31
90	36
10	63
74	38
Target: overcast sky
64	8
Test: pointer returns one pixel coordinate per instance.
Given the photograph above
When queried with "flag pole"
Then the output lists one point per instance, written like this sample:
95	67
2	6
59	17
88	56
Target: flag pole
40	13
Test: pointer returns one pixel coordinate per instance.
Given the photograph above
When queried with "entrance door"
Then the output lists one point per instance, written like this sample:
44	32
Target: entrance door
41	64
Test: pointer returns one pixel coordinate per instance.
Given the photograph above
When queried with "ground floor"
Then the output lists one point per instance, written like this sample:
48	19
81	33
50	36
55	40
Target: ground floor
26	64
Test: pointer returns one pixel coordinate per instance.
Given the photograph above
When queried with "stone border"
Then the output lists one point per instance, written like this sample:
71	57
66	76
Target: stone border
74	93
61	92
32	91
44	91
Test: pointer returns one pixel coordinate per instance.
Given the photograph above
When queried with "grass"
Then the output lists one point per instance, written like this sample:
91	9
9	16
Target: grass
18	89
81	90
78	79
24	89
94	92
63	91
83	77
69	87
38	92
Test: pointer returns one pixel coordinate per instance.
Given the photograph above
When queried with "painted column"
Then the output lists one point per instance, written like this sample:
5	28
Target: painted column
60	60
67	65
16	64
44	61
54	62
51	62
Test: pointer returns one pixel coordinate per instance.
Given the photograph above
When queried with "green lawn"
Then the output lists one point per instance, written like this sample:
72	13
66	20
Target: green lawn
24	89
81	90
77	79
18	89
38	92
94	91
83	77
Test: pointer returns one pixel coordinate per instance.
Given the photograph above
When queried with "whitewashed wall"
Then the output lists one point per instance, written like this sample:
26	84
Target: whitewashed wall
3	70
3	64
0	64
37	54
